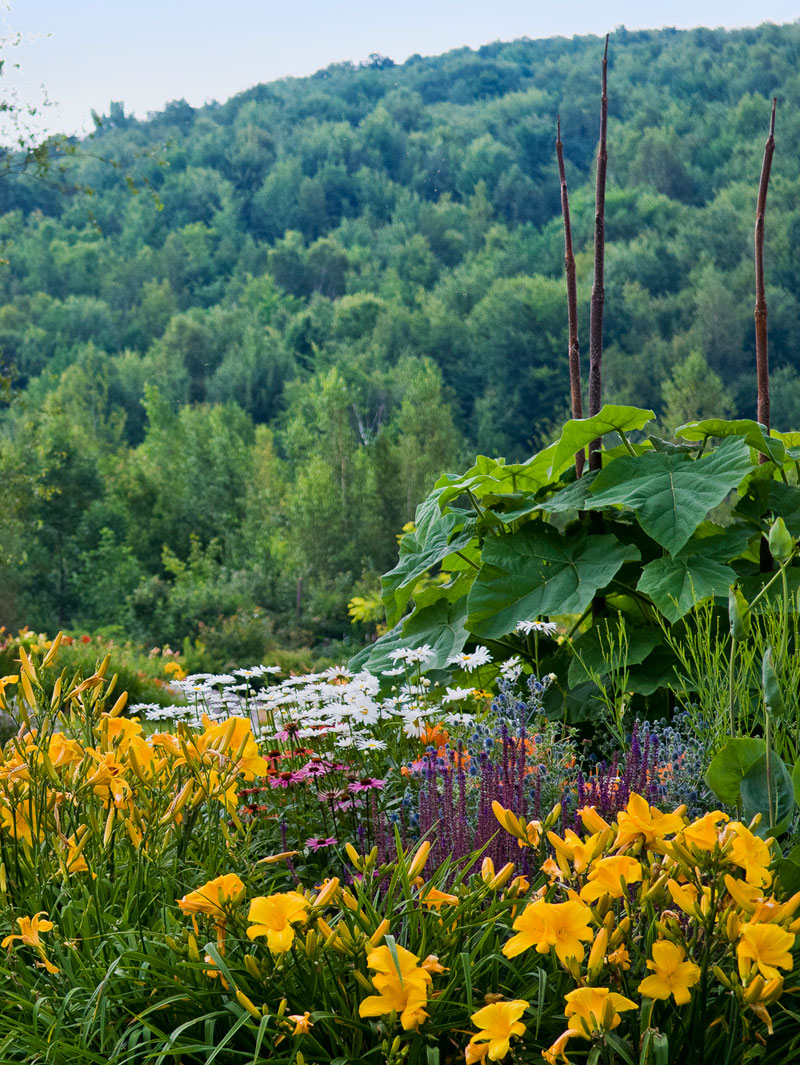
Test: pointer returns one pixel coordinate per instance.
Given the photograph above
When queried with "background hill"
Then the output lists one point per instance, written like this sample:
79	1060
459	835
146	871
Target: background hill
220	413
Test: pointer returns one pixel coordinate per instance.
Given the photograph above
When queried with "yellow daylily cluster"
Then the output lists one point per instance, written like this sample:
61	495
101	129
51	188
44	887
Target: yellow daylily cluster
678	903
75	764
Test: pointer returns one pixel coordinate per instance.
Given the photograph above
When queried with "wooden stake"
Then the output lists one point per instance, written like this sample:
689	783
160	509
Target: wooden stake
598	286
574	351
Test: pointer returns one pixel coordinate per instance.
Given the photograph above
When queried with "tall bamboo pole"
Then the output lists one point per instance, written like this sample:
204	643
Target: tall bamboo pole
762	355
598	285
574	350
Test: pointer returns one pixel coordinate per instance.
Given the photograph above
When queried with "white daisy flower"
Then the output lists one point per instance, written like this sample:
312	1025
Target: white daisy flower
511	668
547	628
479	657
455	694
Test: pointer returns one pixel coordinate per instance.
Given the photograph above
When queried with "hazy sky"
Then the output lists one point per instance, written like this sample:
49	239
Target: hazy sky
147	52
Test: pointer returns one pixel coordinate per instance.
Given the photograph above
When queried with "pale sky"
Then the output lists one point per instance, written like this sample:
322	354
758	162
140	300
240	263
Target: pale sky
148	52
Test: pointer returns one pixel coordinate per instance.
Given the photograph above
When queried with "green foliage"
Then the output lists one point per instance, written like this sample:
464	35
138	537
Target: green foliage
368	263
631	543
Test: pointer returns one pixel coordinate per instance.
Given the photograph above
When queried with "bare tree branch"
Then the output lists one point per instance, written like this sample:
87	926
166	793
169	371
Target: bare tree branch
598	286
574	350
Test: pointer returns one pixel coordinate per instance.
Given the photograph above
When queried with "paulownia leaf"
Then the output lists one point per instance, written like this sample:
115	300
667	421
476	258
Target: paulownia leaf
440	625
493	477
538	571
771	497
753	433
601	650
729	766
672	493
676	584
754	793
436	536
578	432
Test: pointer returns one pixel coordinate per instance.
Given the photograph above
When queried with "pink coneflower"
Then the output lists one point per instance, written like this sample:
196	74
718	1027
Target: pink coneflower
349	804
285	780
316	843
366	784
291	728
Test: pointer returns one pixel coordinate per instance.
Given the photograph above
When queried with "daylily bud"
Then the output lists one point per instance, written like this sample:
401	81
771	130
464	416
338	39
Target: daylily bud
327	891
552	817
248	1004
52	651
752	993
501	877
252	966
419	859
597	954
379	933
722	977
733	926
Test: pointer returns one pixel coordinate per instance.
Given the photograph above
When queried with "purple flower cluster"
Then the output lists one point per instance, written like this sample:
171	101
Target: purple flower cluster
609	787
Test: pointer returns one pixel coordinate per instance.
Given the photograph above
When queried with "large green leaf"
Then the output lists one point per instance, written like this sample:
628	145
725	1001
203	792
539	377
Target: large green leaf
657	671
493	477
601	650
754	433
539	571
435	537
729	766
672	493
375	656
578	432
676	584
753	791
788	869
764	498
440	626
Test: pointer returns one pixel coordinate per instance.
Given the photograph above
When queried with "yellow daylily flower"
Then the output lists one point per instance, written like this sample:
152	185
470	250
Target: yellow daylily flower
639	820
705	833
610	876
750	853
498	1023
29	929
593	1009
563	925
767	946
215	897
275	917
402	990
672	974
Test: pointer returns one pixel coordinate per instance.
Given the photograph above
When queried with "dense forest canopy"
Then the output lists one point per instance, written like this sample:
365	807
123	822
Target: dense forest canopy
229	380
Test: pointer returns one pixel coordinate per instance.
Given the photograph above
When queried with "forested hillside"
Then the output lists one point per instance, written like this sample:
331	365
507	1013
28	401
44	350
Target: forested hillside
229	381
